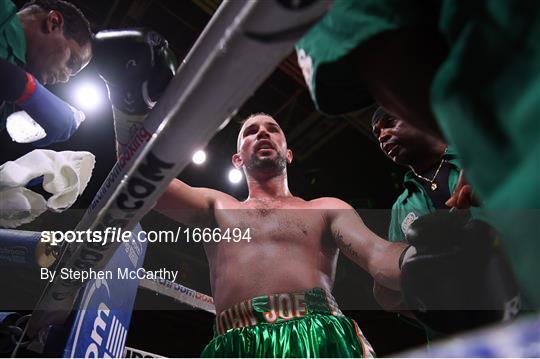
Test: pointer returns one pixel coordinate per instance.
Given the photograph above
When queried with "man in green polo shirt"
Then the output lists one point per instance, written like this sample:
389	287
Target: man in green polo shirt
49	39
469	69
429	184
433	176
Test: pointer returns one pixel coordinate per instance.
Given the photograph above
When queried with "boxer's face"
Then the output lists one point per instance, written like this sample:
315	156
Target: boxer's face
53	57
262	145
399	141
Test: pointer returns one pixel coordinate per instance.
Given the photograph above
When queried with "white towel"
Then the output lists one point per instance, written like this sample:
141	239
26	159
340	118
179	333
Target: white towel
19	206
65	176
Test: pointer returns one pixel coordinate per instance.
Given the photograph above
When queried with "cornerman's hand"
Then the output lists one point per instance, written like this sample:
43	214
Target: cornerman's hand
463	197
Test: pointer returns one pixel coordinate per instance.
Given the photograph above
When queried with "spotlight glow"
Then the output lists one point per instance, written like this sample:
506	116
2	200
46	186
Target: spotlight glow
88	96
199	157
235	175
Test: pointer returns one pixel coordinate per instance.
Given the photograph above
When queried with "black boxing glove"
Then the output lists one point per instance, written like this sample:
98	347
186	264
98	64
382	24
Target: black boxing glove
137	65
455	276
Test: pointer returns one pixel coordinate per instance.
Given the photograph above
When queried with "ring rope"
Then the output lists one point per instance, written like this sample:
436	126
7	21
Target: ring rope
180	293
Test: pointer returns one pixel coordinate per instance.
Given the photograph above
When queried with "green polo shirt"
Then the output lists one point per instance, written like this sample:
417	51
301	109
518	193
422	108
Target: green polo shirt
12	46
415	202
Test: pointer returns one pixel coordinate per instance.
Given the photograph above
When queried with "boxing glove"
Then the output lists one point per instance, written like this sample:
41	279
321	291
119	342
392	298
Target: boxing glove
455	276
136	65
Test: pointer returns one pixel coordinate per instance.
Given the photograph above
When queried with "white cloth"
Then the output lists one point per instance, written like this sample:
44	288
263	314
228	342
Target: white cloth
65	176
19	206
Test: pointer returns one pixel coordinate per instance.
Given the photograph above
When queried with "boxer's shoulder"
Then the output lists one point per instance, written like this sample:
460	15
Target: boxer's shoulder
329	203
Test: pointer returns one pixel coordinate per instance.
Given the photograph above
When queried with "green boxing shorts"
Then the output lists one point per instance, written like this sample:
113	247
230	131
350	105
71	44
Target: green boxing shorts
304	324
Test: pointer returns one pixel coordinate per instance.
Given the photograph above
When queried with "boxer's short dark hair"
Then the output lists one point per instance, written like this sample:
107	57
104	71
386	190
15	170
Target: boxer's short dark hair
253	115
76	26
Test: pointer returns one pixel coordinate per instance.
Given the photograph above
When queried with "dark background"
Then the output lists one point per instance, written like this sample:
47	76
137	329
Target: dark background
334	156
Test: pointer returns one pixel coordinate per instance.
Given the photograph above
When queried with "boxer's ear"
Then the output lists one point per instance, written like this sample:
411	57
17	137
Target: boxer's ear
289	156
237	160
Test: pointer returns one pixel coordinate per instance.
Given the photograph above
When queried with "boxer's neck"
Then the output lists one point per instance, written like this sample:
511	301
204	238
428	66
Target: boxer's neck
274	187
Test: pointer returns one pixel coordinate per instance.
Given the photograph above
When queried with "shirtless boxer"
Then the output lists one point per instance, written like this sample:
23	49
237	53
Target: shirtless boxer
294	243
293	251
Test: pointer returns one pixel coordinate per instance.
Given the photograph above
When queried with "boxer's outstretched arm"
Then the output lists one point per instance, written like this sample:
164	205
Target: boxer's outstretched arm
377	256
188	205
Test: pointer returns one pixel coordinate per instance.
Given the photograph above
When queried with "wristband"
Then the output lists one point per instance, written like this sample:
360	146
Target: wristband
29	89
405	253
126	126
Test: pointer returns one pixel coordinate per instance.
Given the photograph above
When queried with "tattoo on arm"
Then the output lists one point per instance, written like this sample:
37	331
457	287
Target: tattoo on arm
346	247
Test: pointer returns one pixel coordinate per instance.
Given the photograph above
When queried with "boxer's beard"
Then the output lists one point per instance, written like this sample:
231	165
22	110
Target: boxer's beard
276	164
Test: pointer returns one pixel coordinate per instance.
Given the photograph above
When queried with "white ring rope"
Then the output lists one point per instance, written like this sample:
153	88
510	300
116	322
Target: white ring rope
179	292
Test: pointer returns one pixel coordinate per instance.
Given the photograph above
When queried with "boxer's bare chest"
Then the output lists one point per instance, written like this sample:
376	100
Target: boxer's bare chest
290	248
277	222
